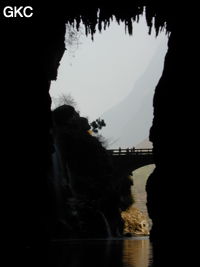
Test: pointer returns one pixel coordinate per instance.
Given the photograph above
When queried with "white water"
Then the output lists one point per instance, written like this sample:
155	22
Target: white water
109	233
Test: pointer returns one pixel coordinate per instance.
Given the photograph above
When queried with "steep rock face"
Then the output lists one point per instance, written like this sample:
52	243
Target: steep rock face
173	125
28	63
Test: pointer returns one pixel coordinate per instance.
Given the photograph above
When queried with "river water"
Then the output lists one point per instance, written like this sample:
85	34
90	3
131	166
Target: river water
112	252
126	252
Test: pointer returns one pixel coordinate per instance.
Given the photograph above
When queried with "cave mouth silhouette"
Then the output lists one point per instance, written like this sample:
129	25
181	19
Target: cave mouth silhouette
153	86
36	54
71	78
75	35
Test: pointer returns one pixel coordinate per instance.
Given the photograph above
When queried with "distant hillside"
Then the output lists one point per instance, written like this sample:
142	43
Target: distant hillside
145	144
128	123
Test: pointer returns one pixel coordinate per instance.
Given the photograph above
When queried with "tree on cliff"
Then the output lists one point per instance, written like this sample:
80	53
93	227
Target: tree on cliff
97	125
63	99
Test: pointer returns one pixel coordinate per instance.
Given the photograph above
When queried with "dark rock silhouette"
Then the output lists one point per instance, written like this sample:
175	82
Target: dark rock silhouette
98	192
30	54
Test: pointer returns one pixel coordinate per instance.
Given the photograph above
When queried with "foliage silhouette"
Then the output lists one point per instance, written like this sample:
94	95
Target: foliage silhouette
97	125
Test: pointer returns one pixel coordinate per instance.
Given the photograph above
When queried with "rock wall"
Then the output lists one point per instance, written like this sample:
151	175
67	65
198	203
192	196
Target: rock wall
169	187
30	53
29	60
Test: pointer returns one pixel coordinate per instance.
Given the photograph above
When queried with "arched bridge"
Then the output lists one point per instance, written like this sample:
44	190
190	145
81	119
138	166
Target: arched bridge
128	160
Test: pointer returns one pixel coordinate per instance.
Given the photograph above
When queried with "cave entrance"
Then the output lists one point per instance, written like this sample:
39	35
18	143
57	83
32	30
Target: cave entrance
114	78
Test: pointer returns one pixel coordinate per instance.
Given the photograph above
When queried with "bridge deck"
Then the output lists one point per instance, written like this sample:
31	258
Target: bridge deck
131	151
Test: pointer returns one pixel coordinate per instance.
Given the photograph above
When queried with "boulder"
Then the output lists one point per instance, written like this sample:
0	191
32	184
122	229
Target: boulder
135	222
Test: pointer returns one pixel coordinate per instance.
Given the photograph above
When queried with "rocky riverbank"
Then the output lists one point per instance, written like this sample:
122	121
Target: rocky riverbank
135	222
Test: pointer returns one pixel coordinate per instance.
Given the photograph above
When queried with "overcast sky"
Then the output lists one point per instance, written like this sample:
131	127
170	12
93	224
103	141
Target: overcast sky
101	73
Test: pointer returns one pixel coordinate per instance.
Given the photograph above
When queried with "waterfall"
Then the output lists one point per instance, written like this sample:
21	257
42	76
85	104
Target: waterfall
108	229
58	181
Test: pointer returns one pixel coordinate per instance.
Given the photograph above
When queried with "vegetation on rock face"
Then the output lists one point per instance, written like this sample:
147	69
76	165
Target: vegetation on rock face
97	125
63	99
135	222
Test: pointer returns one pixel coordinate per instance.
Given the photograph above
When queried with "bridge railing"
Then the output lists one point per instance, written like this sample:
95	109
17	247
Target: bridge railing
130	151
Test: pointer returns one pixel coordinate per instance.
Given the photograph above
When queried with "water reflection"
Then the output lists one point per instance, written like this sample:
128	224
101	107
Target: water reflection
137	253
128	252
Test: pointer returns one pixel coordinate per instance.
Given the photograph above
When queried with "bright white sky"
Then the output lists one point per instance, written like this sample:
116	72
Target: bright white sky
100	73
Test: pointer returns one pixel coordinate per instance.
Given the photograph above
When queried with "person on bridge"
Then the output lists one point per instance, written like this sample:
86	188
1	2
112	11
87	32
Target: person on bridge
127	151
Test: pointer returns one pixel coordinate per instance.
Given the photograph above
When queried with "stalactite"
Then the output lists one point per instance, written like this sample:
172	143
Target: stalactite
101	16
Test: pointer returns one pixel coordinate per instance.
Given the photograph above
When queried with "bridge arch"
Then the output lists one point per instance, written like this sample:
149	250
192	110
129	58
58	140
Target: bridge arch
128	160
